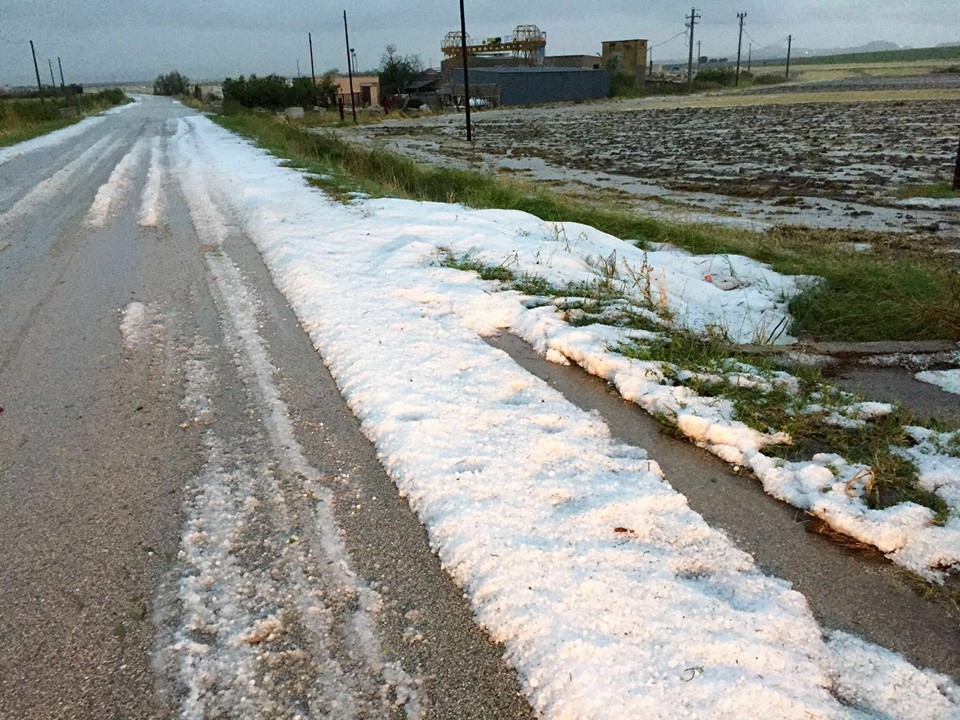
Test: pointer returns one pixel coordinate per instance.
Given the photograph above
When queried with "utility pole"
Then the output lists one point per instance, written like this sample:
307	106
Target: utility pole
466	79
346	35
749	56
36	69
742	16
789	49
694	16
63	85
313	75
699	55
53	82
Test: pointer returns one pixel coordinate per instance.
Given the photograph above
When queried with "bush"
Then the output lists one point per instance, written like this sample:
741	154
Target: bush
722	76
622	85
274	92
171	84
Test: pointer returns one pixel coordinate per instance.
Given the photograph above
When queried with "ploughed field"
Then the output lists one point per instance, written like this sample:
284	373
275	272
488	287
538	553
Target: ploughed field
848	151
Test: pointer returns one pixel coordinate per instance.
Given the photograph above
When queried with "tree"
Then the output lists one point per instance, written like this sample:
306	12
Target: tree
398	71
171	84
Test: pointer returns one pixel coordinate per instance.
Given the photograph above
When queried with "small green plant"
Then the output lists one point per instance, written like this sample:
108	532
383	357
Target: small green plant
465	262
941	190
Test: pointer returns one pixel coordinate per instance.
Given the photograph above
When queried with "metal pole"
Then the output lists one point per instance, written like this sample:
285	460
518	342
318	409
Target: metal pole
312	73
346	35
36	69
741	16
466	78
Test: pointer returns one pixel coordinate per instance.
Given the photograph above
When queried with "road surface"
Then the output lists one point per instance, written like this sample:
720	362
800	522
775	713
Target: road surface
193	523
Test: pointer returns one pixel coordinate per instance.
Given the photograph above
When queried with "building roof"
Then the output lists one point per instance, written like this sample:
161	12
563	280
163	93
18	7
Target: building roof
533	70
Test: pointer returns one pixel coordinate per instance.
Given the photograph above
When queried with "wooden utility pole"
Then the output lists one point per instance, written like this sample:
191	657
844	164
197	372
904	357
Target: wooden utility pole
466	78
699	55
742	16
63	85
749	56
346	34
789	49
36	69
694	16
313	75
53	82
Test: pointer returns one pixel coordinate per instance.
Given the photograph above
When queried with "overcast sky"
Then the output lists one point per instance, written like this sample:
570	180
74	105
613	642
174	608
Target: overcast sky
119	40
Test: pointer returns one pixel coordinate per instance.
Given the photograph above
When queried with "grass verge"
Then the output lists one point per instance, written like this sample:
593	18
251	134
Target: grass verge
25	118
886	294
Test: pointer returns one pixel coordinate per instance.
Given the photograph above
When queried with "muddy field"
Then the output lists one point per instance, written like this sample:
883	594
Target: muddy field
849	152
837	164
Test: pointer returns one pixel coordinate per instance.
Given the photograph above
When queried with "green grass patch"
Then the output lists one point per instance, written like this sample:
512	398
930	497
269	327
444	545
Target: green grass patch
937	190
883	295
25	118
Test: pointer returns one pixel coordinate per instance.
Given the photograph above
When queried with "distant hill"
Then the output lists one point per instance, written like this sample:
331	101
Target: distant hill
941	52
876	51
780	51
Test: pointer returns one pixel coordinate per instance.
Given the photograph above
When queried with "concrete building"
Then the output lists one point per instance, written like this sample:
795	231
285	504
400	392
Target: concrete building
626	56
366	90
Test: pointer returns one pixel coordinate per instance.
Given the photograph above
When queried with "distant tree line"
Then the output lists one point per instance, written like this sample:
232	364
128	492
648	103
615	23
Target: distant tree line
273	92
172	83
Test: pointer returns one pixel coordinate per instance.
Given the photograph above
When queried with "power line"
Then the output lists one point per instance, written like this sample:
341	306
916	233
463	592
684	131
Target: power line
679	34
757	42
14	42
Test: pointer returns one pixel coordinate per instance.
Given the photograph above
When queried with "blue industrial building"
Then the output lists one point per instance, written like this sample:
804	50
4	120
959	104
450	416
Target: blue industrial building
539	85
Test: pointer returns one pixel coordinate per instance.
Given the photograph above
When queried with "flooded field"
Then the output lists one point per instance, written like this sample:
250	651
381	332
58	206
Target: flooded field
821	164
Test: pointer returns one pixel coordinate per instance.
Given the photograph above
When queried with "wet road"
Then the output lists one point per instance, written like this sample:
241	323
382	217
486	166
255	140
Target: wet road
193	523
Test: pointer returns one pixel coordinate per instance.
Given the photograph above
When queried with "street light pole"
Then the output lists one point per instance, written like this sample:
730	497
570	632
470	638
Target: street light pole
346	34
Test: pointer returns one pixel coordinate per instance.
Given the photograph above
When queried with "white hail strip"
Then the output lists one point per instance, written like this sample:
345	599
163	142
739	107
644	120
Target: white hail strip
134	325
214	592
47	189
337	576
151	201
115	189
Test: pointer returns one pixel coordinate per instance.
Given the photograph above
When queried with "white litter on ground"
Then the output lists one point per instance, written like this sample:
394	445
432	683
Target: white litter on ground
612	597
115	190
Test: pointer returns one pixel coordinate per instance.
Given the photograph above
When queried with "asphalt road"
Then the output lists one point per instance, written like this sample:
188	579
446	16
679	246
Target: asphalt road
171	448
